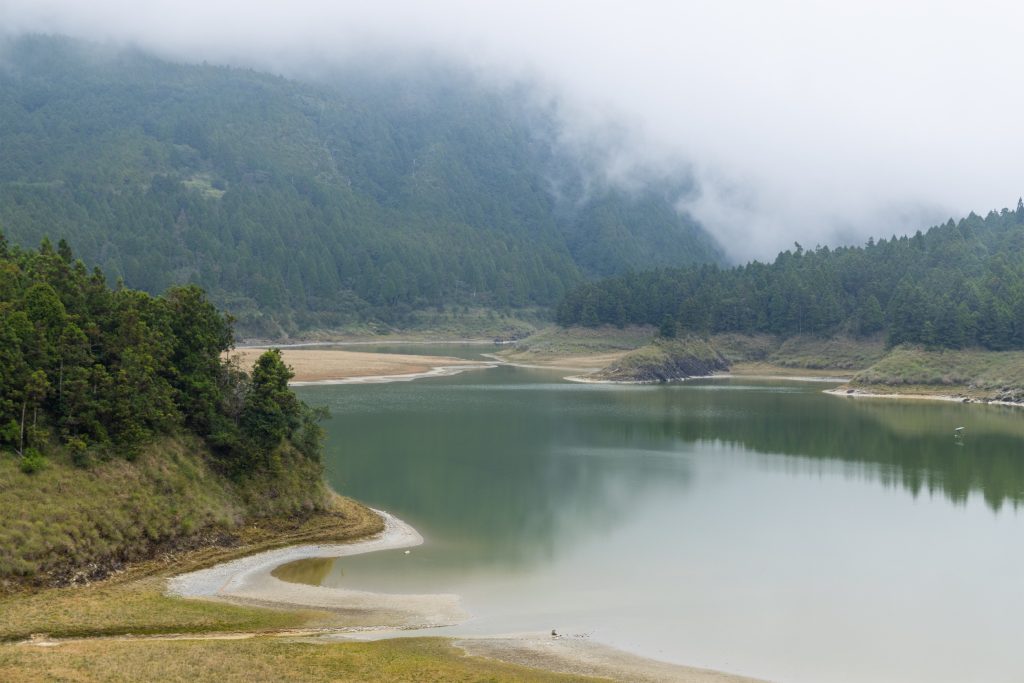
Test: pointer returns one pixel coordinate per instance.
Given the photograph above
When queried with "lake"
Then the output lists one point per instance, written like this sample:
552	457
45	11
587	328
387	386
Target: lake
756	527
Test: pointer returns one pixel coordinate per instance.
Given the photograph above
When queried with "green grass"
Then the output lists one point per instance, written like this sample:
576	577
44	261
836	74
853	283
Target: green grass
135	607
66	523
133	604
430	660
742	348
553	342
665	359
452	323
980	373
132	601
801	352
835	353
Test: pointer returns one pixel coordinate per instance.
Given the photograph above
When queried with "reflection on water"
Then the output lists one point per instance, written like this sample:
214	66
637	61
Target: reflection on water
312	571
758	527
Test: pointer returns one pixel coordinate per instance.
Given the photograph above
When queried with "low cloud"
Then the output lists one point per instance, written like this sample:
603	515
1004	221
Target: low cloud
817	122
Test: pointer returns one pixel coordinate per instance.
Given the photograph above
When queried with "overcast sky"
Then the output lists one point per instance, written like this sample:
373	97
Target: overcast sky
818	122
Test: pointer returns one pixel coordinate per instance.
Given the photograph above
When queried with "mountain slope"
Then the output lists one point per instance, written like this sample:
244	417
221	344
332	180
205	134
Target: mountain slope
297	204
957	285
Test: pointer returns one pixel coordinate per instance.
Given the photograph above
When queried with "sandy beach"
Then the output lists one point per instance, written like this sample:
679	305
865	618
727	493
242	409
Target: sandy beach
337	366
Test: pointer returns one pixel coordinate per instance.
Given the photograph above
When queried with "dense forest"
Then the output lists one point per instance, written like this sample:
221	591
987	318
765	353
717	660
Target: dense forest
95	373
366	195
959	284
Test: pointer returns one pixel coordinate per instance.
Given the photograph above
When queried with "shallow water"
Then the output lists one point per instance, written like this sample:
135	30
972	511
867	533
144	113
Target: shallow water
756	527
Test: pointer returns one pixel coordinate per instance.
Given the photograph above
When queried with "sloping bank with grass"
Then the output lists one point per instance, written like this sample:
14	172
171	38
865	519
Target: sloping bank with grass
124	435
662	360
962	374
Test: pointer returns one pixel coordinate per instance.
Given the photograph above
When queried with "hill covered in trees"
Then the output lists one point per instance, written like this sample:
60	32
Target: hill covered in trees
129	428
366	195
959	284
102	371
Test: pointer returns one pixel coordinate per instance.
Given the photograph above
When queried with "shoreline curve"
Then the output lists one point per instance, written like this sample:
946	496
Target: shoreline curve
437	371
248	581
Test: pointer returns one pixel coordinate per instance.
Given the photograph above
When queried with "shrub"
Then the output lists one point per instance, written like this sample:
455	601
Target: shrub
32	461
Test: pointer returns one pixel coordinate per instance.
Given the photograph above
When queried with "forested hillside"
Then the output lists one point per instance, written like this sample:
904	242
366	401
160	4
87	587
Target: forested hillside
294	204
130	431
959	284
95	373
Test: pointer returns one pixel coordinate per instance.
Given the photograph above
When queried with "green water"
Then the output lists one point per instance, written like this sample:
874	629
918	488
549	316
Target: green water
762	528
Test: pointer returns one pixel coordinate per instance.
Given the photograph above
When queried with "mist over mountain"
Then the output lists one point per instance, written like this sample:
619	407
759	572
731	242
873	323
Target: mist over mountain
365	194
817	122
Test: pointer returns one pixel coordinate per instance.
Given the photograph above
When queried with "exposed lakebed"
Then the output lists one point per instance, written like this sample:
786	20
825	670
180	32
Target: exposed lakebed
755	527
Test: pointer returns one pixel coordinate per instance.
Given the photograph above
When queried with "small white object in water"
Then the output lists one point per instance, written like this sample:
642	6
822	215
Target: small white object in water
407	552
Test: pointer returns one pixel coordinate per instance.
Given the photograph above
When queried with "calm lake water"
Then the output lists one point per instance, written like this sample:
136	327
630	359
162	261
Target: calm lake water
756	527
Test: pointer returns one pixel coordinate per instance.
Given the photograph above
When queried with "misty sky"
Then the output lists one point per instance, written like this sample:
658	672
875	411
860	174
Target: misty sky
822	122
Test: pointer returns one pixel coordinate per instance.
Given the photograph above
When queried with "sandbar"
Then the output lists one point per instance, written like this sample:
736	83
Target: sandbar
338	366
248	581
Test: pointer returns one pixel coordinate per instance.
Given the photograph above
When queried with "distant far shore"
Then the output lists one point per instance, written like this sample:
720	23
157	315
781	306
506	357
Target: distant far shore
335	365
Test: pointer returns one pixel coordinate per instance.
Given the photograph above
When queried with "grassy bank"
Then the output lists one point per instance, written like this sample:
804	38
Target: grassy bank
67	524
800	353
577	347
222	641
133	600
259	659
429	325
664	360
973	373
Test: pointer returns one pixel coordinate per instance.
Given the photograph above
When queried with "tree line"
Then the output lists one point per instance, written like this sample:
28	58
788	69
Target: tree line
958	284
97	372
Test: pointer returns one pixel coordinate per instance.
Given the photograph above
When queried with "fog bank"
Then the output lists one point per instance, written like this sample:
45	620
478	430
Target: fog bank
817	122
